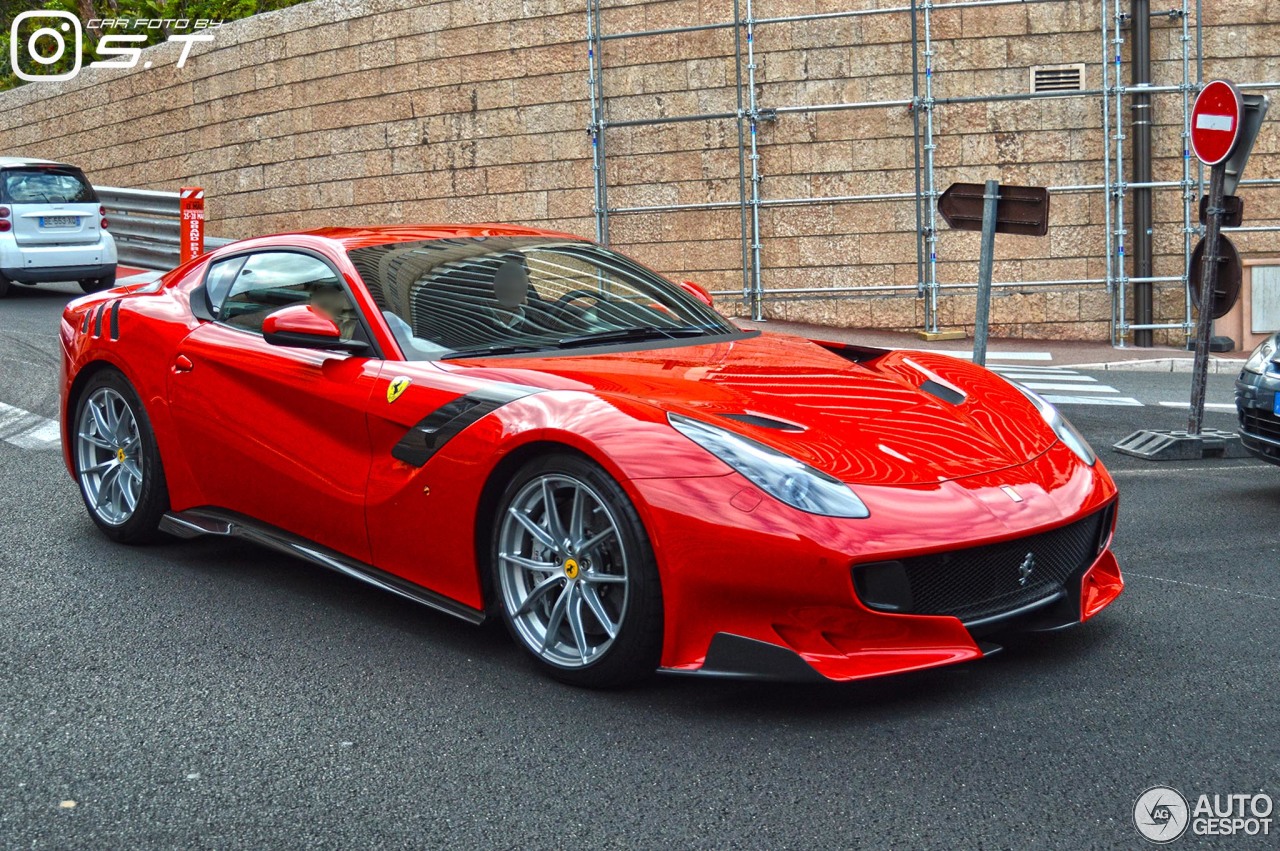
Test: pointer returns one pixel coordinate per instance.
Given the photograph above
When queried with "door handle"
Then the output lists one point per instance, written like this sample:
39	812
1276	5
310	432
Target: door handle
182	363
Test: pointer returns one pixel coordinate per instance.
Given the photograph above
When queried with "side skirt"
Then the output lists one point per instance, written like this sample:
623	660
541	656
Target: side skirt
210	521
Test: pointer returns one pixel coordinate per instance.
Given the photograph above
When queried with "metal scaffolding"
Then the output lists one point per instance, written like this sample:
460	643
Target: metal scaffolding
919	26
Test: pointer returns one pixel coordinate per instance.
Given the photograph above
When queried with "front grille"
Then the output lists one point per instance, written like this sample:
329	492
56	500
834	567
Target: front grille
983	582
1258	422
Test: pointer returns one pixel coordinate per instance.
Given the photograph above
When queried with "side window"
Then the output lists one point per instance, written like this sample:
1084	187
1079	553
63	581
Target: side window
266	282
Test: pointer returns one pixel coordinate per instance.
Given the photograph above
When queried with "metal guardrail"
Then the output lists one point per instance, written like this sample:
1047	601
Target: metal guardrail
145	225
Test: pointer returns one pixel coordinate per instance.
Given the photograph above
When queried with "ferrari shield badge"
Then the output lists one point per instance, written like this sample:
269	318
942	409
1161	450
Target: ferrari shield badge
396	388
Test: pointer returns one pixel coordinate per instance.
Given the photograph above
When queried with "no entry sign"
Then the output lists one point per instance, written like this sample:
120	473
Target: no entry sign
1215	122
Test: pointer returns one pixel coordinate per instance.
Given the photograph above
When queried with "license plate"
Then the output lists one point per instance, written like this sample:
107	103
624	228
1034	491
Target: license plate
59	221
1275	406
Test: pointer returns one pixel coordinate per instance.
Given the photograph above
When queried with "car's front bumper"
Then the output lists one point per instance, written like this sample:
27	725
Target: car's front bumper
754	589
1255	407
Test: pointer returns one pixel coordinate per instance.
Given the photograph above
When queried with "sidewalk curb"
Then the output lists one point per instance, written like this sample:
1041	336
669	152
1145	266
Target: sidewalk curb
1217	366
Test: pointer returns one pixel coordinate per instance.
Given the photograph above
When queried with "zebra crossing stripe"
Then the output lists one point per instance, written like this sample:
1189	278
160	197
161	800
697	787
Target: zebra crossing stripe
1051	376
963	355
1046	376
1126	401
1074	388
26	430
1224	407
1061	386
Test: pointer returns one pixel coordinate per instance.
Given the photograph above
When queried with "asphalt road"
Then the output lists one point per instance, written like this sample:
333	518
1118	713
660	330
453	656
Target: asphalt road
212	695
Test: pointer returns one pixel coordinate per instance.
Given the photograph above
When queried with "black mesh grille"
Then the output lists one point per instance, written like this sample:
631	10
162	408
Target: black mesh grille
1258	422
983	582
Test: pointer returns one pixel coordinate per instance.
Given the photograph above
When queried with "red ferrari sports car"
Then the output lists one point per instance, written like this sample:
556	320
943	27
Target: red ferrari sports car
496	420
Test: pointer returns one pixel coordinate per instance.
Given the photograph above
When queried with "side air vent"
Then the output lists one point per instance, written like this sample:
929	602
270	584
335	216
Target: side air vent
1057	78
763	422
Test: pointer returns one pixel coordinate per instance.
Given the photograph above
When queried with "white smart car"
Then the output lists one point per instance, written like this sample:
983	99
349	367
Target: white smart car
52	227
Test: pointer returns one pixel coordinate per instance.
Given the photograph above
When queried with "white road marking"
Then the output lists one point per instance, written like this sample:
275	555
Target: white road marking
956	353
26	430
1041	376
1160	469
1202	587
1229	407
1095	400
1024	367
1061	385
1074	388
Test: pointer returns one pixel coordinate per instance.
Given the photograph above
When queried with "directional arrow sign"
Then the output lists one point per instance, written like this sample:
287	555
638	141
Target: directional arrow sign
1021	209
1215	121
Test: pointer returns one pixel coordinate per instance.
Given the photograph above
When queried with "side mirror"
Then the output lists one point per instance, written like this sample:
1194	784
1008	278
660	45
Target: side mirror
697	292
301	326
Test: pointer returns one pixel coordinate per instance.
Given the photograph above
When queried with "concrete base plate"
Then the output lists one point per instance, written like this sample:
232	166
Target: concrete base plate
935	336
1180	446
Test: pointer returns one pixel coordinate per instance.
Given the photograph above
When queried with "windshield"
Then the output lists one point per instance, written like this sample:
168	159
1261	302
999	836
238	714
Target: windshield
45	185
507	295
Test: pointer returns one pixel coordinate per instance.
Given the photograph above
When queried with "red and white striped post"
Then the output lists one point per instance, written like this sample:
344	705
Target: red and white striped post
191	207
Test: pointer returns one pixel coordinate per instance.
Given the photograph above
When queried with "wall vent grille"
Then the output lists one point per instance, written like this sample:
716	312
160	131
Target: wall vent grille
1057	78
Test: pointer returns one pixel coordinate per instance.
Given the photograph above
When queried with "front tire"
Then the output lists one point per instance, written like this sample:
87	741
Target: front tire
117	461
575	574
95	285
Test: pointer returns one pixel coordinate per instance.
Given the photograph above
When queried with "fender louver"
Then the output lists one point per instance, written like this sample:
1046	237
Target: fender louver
106	317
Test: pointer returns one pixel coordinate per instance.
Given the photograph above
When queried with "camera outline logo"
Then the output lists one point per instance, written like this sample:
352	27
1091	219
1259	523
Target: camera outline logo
1161	814
54	21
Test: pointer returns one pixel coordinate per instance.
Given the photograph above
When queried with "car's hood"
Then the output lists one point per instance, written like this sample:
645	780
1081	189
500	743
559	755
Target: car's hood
864	422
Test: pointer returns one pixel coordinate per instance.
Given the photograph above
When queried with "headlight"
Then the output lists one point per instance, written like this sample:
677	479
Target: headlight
1257	362
1065	431
784	478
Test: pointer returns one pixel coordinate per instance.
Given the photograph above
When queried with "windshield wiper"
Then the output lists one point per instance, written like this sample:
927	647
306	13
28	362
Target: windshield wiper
638	333
497	349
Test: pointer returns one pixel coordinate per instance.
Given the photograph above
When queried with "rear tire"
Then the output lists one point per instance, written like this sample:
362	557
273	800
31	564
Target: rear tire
117	461
95	285
578	584
4	286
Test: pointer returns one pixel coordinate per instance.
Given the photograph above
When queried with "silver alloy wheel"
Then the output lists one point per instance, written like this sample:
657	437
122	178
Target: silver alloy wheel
564	584
109	456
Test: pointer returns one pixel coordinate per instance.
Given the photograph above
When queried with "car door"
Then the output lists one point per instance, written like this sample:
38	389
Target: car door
275	432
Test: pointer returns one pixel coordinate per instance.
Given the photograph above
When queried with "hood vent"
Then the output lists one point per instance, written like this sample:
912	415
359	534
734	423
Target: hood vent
943	392
764	422
937	386
851	352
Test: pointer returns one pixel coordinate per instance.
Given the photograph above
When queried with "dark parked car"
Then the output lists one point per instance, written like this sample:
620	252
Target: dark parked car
1258	401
